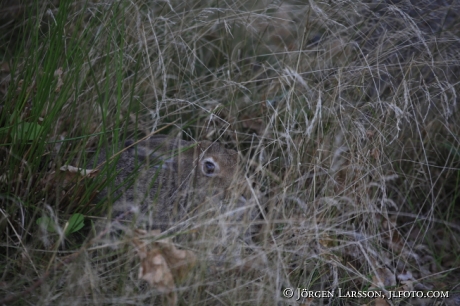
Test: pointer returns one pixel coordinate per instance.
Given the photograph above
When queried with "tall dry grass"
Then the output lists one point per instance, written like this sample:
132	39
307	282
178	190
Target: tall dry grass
345	112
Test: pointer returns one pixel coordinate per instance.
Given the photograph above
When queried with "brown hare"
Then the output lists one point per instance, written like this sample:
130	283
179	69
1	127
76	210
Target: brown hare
163	180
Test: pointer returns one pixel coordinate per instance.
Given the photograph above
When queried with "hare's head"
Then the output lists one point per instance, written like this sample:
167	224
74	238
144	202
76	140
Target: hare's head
216	167
204	166
164	179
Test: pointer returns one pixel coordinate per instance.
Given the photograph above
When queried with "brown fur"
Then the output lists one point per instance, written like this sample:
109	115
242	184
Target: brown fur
172	178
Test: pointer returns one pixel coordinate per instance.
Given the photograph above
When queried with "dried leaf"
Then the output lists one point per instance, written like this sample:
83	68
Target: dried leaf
375	153
180	261
90	173
407	280
154	269
162	264
385	276
380	302
67	176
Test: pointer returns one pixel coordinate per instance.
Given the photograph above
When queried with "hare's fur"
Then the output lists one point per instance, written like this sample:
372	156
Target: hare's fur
165	179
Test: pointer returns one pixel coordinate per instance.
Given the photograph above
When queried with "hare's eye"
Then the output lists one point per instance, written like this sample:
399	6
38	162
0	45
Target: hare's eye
209	167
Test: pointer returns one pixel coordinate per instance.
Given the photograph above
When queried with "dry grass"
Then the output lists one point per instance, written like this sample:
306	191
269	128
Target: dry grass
346	114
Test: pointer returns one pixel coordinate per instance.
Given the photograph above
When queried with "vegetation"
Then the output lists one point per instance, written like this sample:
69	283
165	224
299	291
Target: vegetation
345	113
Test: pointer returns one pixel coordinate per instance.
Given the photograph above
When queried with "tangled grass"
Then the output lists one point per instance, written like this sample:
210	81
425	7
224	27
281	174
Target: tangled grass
345	113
